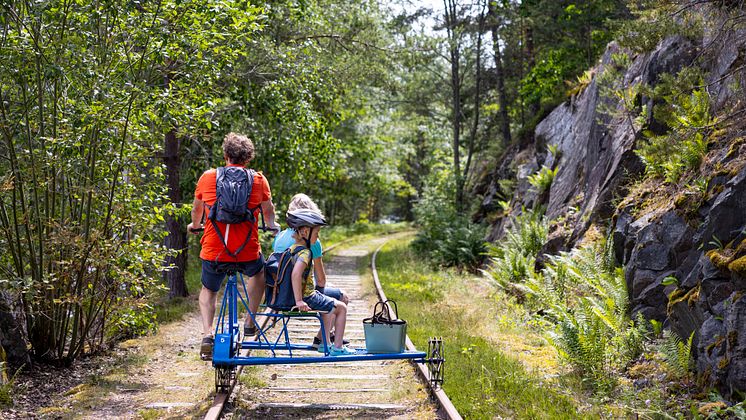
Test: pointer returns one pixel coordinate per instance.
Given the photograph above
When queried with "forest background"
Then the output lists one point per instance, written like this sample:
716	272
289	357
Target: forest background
380	111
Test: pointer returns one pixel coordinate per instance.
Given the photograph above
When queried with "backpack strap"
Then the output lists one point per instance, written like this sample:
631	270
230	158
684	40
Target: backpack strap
250	175
285	263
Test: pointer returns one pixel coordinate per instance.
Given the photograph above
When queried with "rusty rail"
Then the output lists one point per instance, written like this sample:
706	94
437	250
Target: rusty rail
445	403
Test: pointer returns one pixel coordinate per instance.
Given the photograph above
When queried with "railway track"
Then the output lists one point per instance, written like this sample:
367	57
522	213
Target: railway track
365	389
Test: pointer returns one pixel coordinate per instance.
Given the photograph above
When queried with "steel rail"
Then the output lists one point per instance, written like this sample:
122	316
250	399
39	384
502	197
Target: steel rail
445	403
218	404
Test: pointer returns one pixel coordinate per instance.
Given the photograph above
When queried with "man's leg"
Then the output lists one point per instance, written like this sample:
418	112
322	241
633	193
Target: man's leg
207	303
256	293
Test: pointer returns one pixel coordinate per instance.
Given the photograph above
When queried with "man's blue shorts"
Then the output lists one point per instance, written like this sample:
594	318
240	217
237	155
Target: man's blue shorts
319	302
213	273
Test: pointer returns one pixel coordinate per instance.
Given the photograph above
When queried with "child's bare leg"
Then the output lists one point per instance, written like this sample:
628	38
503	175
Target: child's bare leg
340	312
326	327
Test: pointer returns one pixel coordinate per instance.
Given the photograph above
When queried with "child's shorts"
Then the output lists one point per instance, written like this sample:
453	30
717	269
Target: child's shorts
333	292
319	302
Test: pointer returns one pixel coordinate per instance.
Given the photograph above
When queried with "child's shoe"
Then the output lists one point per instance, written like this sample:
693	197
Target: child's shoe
318	345
344	351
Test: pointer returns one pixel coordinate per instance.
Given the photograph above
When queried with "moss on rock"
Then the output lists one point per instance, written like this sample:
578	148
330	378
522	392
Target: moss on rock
721	257
717	343
733	339
680	295
723	363
738	266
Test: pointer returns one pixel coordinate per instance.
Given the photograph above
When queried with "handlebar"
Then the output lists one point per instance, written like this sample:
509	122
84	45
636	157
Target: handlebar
266	229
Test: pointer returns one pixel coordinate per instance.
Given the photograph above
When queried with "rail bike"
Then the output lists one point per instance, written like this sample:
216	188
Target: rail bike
229	341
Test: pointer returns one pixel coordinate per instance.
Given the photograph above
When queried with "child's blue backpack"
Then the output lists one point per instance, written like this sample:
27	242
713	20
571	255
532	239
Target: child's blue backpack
233	185
278	272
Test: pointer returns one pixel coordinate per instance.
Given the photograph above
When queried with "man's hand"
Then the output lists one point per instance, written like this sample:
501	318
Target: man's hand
195	230
302	306
274	229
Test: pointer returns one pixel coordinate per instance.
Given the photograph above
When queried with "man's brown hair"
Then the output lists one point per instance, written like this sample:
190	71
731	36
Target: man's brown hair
238	148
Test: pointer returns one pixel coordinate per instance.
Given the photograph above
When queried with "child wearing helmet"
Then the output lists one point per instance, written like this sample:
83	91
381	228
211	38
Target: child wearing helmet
306	225
285	240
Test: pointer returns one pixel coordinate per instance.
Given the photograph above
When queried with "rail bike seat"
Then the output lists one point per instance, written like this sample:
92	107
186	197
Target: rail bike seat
230	267
295	312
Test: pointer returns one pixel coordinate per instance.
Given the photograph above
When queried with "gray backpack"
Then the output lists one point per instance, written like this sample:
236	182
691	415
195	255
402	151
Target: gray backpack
233	186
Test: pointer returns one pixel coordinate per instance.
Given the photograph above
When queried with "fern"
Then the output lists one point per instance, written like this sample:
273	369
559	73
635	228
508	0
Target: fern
512	262
542	179
683	148
677	353
581	296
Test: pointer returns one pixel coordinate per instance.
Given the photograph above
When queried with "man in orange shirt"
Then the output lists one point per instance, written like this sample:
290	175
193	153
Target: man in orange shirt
238	151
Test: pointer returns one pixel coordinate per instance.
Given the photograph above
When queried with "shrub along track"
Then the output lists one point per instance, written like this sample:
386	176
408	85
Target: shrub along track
369	389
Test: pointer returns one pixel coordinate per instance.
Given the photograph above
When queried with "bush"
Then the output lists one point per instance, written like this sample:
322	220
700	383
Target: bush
134	321
458	246
446	237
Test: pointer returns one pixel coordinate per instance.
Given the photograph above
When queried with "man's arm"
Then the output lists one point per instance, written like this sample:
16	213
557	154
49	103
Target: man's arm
318	270
198	208
268	210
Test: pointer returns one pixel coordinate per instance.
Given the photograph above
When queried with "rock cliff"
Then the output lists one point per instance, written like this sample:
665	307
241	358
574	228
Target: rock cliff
684	254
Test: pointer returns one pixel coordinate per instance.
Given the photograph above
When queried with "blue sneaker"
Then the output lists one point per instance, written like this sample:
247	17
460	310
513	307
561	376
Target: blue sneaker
317	345
344	351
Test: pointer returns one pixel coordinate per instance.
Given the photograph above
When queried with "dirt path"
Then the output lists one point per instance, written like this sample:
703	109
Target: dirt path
375	389
161	376
157	376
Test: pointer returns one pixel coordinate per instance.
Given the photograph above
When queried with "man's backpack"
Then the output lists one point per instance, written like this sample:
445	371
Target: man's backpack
278	273
233	186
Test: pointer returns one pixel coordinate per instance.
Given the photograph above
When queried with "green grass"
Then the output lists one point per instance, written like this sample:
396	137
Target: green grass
336	234
480	380
250	377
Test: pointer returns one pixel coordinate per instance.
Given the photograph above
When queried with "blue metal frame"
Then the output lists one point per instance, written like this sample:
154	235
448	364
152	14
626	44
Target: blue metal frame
228	340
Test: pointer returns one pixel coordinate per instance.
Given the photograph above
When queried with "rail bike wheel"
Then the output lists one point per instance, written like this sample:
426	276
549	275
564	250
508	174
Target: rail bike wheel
435	361
224	378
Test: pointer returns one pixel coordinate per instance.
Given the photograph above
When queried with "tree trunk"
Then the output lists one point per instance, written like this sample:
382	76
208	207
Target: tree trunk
477	101
450	21
177	235
501	94
533	107
12	336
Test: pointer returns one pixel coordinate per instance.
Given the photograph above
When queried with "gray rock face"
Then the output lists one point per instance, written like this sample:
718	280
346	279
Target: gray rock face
596	158
726	220
735	334
596	149
664	245
656	245
711	348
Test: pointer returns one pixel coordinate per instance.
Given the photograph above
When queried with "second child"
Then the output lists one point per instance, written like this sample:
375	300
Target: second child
306	225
